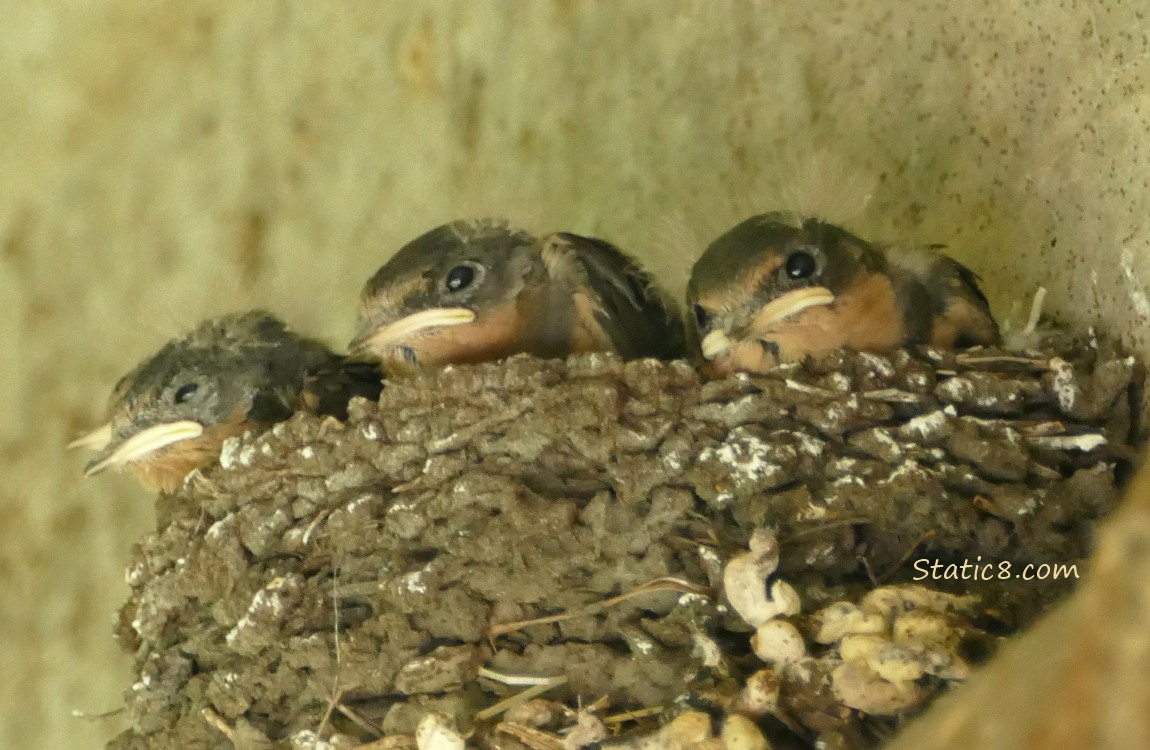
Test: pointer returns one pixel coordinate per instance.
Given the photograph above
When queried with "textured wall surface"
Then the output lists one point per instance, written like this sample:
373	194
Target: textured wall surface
161	162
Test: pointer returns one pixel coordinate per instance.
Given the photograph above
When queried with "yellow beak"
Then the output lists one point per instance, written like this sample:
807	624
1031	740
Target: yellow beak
714	344
96	440
402	329
789	304
143	443
771	314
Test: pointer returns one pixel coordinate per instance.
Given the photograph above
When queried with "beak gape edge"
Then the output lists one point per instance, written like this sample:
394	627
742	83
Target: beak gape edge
774	312
400	330
143	443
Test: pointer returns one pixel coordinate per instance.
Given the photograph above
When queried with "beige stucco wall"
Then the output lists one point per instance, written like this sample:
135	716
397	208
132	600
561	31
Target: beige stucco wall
164	161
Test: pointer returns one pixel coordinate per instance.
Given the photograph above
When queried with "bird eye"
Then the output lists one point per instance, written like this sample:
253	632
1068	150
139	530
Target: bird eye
801	265
459	278
702	317
184	392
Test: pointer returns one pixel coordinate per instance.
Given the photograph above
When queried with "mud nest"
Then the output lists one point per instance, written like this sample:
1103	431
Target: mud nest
545	554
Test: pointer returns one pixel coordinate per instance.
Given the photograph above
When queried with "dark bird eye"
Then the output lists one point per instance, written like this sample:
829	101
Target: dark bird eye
185	391
801	265
702	317
459	278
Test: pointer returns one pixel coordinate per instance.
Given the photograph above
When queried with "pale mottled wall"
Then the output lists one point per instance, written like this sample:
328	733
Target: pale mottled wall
159	162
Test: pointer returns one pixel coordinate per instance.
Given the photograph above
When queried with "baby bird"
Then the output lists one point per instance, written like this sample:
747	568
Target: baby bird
245	371
776	289
475	291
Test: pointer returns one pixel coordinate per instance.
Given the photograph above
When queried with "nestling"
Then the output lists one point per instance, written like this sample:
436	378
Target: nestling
475	291
777	289
245	371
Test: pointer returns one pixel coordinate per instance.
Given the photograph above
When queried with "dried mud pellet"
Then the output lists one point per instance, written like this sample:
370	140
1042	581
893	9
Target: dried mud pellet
857	686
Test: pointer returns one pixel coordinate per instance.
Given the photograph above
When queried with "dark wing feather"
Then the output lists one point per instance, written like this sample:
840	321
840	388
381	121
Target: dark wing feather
634	313
955	298
972	282
967	307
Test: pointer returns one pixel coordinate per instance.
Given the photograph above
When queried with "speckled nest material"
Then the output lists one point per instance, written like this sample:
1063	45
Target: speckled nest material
497	493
